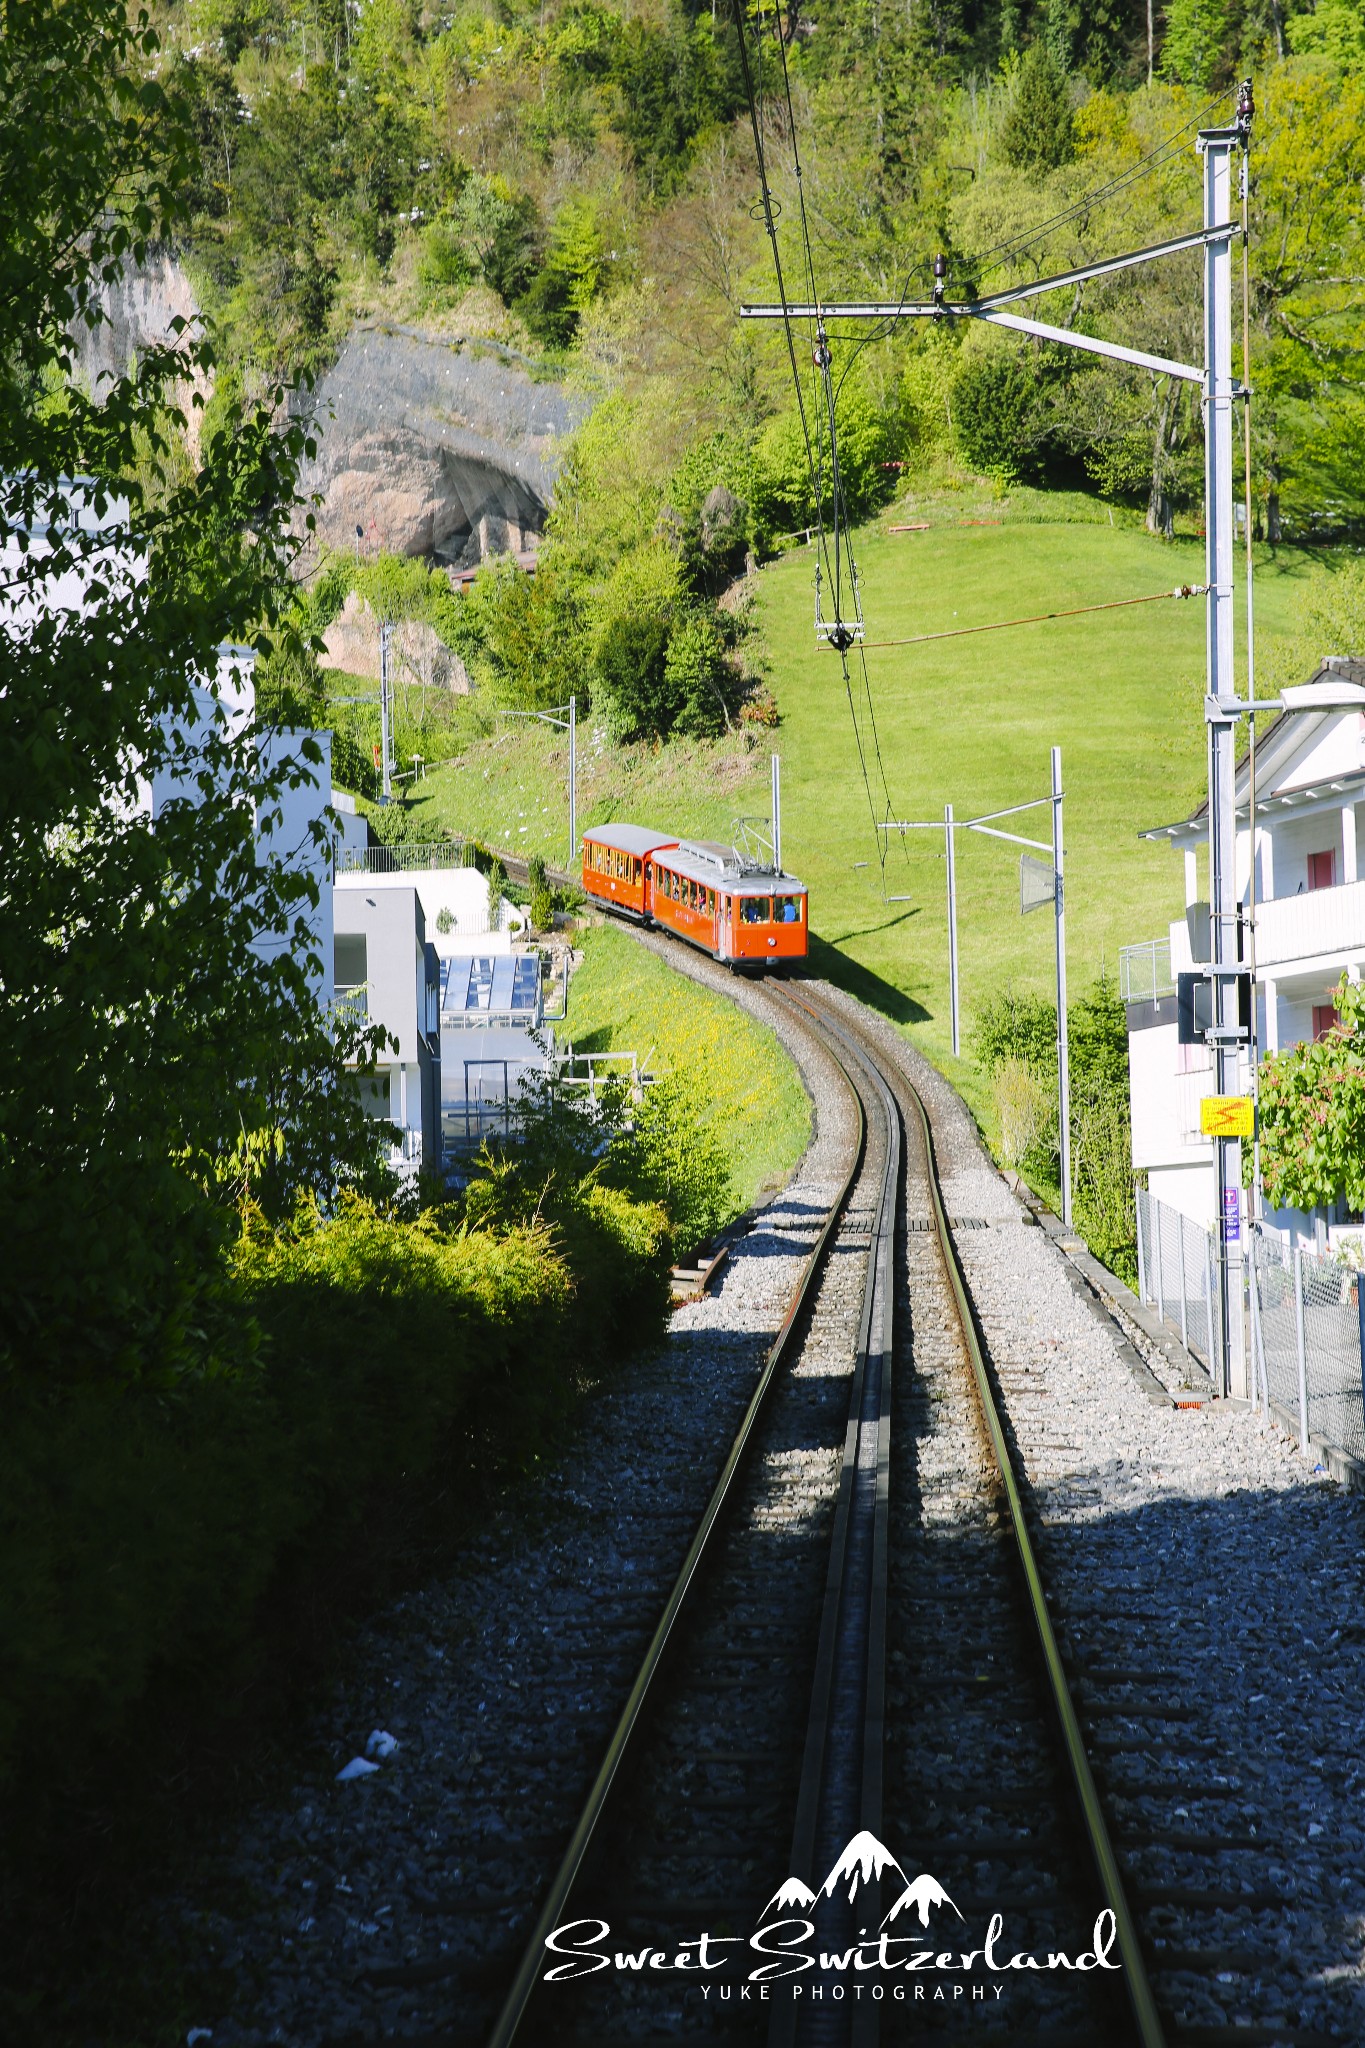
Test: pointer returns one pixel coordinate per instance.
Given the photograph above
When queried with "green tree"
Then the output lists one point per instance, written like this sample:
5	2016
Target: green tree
154	1065
1039	130
1195	44
1312	1111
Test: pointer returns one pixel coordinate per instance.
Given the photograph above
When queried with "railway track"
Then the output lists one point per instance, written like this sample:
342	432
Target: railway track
770	1742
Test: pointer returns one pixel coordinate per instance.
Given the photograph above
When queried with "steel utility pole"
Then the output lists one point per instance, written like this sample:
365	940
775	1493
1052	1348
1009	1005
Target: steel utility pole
777	814
573	782
990	828
1214	377
385	712
1063	1041
1227	1034
950	855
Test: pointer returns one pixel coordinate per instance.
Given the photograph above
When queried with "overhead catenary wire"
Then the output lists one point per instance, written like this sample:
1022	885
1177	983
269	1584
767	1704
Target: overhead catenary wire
841	635
1113	604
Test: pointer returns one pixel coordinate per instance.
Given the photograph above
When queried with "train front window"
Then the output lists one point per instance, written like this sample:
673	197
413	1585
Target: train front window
787	910
757	910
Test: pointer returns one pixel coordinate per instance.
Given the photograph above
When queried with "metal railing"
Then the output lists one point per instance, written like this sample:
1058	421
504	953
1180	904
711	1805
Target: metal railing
1145	971
1303	1313
392	860
1306	1333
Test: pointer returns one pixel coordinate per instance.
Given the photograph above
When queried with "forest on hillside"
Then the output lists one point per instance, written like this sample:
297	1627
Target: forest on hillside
578	181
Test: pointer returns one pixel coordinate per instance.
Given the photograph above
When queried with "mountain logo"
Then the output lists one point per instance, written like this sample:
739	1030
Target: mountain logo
925	1892
863	1861
792	1893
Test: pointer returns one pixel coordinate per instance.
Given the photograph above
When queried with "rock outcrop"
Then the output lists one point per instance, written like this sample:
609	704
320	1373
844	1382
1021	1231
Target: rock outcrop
435	448
430	447
352	642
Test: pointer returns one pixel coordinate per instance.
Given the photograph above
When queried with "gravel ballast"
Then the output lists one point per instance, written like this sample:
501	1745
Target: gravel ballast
1196	1549
387	1902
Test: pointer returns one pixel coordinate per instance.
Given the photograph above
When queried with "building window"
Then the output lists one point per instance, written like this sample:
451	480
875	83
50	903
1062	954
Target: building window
1322	869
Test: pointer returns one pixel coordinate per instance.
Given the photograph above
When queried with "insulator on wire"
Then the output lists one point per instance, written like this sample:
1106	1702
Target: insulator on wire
1246	107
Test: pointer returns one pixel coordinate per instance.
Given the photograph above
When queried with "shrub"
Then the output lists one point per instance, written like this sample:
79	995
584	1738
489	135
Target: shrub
1102	1176
672	1157
1039	130
1018	1025
697	676
542	904
995	407
138	1533
1022	1101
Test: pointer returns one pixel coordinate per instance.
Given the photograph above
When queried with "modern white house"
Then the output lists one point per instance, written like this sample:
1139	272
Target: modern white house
455	897
1310	930
387	970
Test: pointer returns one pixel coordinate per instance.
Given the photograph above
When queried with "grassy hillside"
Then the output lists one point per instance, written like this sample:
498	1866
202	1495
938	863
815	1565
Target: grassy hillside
624	999
512	789
968	721
971	721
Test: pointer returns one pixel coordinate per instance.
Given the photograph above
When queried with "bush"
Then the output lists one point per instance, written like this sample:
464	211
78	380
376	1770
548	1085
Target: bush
673	1158
995	408
138	1534
1039	131
1015	1040
542	905
1022	1102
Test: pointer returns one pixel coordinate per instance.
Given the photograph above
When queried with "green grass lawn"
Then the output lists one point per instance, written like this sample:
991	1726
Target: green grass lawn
624	999
965	721
512	790
971	722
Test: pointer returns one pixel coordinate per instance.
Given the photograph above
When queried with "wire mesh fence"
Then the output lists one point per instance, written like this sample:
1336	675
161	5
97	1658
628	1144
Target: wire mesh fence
1176	1272
1303	1312
1308	1311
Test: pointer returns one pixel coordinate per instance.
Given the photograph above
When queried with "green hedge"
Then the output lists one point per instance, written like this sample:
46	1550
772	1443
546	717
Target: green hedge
141	1530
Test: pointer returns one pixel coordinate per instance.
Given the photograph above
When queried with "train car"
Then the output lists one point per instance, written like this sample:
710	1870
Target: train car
710	895
615	860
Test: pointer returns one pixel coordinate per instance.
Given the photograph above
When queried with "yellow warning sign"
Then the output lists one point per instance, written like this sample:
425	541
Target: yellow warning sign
1225	1116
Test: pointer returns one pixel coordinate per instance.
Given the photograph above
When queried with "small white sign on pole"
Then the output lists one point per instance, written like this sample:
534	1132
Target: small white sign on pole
1037	884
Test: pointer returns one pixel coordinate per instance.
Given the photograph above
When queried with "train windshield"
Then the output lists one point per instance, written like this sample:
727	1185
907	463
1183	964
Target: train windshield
786	910
757	909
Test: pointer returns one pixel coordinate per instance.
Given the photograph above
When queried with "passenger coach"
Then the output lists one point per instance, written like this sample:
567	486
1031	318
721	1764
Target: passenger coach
711	895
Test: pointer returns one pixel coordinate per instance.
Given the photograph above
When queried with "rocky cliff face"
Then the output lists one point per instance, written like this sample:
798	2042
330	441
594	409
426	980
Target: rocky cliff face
435	448
139	309
439	448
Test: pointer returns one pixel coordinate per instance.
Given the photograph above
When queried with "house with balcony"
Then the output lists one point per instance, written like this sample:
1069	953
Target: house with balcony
1309	931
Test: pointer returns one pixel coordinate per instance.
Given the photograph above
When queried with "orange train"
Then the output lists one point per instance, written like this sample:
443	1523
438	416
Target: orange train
711	895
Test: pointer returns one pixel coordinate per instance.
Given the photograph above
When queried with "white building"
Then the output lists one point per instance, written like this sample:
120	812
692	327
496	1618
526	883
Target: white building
387	970
454	897
1310	930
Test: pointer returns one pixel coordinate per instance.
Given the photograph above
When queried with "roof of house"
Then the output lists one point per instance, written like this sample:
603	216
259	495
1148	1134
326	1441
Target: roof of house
497	984
1276	744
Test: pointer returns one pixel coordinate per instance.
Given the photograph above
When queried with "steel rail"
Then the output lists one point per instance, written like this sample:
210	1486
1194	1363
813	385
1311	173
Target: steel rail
856	1581
527	1978
1150	2031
